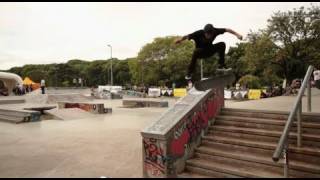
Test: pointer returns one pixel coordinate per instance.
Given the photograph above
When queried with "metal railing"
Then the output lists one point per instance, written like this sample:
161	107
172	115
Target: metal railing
283	144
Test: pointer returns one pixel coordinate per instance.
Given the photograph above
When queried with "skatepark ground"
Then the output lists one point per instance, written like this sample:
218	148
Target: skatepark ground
107	145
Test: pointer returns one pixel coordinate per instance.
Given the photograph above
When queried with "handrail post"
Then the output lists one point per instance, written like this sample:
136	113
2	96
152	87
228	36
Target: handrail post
286	160
309	95
299	112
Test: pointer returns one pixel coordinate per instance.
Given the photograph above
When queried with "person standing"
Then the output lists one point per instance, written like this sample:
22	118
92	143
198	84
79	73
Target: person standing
316	77
43	86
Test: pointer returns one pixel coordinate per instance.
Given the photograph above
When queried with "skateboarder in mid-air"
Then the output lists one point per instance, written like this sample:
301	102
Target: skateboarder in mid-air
204	47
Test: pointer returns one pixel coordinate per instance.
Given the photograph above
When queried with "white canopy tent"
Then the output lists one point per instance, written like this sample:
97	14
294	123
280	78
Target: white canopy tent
10	80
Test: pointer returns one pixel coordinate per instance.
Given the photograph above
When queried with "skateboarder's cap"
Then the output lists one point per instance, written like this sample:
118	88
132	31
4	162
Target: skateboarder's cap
208	28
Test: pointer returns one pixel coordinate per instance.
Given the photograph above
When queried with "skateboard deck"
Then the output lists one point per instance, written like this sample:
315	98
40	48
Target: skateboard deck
213	82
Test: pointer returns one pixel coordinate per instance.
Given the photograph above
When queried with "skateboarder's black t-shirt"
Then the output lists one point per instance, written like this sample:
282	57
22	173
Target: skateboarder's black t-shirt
200	39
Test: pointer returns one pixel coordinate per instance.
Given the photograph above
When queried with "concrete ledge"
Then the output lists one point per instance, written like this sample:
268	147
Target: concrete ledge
134	93
41	108
172	139
138	103
95	108
18	116
12	101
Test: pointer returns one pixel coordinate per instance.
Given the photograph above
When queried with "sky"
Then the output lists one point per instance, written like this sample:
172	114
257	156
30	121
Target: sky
55	32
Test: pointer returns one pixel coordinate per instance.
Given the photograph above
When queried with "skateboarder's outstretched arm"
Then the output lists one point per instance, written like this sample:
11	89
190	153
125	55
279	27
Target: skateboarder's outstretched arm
178	41
239	36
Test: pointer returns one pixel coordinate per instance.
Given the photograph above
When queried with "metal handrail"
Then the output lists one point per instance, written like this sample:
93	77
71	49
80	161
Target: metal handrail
297	109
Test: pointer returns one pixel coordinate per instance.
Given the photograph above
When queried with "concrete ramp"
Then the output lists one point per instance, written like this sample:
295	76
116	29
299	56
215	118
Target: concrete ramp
69	114
18	116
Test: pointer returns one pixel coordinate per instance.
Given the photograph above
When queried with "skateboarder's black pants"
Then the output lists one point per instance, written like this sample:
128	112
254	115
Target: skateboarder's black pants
198	53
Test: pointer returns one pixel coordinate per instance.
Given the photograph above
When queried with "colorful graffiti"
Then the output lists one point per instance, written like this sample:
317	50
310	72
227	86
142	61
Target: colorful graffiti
191	127
154	157
166	157
94	108
85	107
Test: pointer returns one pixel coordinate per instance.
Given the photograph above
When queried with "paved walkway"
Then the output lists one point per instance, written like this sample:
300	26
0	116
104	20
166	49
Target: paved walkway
281	103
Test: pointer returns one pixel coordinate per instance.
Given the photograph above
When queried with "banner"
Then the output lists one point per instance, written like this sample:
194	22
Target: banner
180	92
227	94
254	94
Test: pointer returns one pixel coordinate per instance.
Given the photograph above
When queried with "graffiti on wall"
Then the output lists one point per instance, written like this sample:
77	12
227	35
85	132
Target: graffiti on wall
155	159
165	158
191	127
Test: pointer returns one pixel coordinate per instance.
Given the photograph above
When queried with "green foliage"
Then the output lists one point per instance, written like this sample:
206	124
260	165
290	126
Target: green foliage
162	62
65	83
250	81
235	60
297	40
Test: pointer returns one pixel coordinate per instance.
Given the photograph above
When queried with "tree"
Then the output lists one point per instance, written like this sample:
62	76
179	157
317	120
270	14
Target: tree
251	82
235	60
296	39
121	72
162	62
259	56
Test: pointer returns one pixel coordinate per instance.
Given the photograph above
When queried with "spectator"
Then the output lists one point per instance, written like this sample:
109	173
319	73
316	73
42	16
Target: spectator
21	89
43	86
26	87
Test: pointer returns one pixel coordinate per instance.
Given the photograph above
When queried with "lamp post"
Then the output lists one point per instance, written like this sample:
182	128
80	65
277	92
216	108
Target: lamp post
111	63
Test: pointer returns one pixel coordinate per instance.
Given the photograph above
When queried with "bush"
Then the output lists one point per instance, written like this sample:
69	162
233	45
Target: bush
250	81
65	83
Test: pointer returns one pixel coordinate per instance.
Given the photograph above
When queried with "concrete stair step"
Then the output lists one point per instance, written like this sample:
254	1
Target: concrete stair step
262	132
255	125
315	125
258	125
298	168
251	119
223	146
311	154
190	175
206	173
232	167
263	138
252	137
276	115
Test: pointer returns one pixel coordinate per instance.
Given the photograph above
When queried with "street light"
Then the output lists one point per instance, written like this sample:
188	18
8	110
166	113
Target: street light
111	63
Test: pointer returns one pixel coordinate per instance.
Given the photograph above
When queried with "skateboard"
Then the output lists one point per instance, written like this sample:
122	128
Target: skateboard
221	78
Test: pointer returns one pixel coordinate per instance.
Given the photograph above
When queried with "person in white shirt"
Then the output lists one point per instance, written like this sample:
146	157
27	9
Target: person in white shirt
43	85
